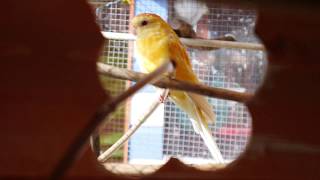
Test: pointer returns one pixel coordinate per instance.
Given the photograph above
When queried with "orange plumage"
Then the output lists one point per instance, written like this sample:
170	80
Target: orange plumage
157	43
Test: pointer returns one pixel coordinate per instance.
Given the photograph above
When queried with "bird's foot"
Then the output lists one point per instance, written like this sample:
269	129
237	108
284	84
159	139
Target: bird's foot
163	97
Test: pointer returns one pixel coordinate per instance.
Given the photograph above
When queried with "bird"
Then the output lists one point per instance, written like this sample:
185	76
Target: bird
187	14
157	43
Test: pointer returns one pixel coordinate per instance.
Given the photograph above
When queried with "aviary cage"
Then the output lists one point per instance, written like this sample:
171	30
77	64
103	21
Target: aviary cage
168	132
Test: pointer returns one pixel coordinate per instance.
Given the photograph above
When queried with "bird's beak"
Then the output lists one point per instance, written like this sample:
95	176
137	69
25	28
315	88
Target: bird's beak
134	31
133	25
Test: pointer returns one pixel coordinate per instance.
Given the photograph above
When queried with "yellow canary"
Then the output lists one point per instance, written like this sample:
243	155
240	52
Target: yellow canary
157	43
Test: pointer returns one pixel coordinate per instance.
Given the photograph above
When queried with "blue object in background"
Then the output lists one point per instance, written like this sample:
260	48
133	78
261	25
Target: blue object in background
159	7
146	143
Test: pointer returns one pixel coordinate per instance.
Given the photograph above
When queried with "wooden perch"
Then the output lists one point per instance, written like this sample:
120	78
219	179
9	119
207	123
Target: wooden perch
165	82
209	43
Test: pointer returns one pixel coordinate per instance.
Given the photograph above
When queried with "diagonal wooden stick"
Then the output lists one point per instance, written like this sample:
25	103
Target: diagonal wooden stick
109	106
107	154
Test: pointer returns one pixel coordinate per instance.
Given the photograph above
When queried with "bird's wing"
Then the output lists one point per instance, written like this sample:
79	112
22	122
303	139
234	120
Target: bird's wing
178	54
184	72
177	51
196	106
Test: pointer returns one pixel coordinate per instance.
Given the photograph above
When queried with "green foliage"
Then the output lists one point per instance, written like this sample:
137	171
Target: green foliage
118	154
109	139
114	87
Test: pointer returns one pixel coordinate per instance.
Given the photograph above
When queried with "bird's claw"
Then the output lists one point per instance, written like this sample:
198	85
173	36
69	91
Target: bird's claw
163	97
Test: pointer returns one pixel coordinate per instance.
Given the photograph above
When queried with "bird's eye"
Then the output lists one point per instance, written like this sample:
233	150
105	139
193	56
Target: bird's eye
143	23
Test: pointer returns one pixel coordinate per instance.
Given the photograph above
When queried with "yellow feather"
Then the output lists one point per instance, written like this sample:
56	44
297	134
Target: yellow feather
156	43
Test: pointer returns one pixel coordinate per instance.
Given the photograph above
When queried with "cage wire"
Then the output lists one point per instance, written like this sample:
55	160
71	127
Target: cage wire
236	69
113	16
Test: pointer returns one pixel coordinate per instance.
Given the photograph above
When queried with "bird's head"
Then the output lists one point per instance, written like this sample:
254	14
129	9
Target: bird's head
147	21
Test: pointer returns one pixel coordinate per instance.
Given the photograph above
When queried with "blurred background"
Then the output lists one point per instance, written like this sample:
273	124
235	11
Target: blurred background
168	132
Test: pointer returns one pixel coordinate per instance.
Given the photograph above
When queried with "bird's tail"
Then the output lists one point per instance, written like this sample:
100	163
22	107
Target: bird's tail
210	142
200	113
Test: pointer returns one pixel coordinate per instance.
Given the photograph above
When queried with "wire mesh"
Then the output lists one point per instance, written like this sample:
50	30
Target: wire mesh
234	69
114	53
173	135
113	16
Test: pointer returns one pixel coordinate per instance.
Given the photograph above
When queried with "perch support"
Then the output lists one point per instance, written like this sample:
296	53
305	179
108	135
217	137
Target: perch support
105	155
109	106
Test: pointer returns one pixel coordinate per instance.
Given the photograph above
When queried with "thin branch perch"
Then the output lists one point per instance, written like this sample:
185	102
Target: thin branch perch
165	82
